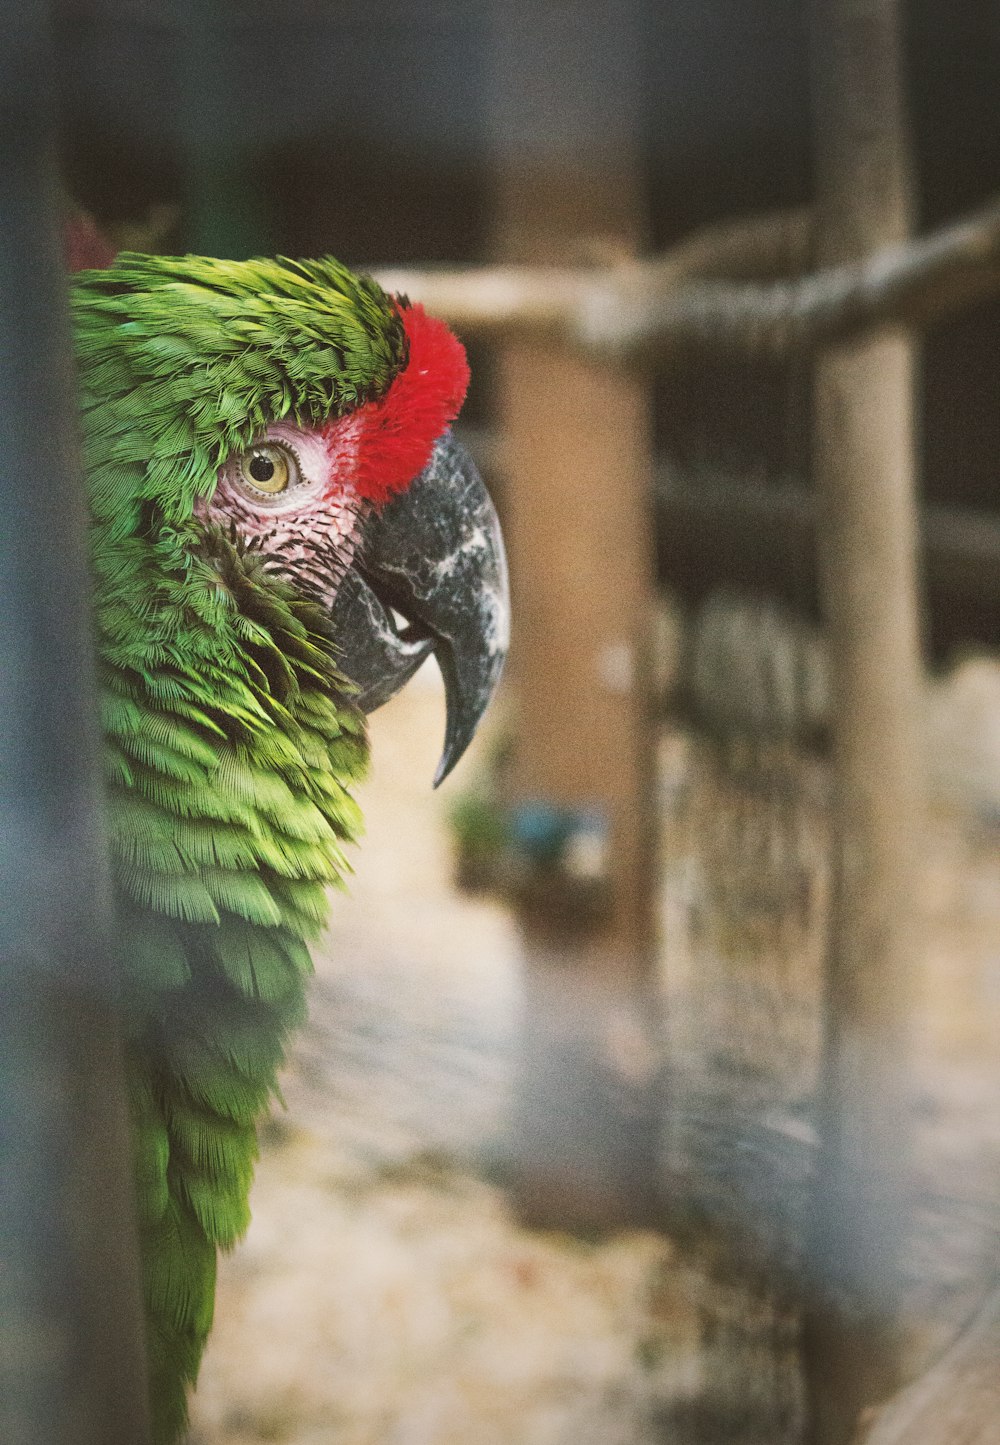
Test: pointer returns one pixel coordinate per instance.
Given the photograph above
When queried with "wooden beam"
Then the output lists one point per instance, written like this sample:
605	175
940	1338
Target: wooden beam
715	296
566	113
867	541
721	531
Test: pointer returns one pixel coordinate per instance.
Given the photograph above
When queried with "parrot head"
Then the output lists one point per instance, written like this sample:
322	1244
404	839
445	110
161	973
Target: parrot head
300	411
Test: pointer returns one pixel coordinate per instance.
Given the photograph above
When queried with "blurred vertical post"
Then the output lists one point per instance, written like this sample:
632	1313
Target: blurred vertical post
566	113
865	477
72	1353
225	201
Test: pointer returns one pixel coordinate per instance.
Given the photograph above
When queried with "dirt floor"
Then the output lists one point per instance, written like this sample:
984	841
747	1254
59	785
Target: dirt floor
387	1295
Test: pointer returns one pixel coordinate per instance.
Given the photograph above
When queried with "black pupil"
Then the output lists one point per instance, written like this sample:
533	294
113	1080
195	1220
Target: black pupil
261	467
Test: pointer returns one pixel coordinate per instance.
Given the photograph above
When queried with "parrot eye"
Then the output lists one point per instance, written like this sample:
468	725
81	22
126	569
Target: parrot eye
268	469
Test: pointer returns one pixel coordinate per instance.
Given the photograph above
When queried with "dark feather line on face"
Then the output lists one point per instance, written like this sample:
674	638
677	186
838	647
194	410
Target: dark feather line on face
319	573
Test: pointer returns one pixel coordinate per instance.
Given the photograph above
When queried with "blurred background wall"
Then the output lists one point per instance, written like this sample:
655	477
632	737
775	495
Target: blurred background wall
364	130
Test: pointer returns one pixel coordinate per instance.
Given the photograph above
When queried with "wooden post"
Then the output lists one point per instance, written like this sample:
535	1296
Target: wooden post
867	539
566	125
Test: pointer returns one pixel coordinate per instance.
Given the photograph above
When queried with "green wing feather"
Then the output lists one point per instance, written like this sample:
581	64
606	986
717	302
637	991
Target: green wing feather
231	740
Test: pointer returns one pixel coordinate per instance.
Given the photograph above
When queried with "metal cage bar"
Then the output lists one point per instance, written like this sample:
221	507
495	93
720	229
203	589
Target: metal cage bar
71	1337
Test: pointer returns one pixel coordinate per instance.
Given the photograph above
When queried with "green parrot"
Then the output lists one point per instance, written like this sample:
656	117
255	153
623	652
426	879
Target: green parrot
283	528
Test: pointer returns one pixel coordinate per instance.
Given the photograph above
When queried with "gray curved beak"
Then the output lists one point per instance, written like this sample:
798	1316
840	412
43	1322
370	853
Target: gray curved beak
435	556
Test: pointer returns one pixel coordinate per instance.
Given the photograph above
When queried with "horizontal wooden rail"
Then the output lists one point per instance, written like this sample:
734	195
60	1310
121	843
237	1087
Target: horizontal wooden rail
724	529
716	295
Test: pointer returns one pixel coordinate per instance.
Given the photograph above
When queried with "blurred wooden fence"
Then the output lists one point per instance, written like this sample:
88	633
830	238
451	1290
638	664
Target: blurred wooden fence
576	337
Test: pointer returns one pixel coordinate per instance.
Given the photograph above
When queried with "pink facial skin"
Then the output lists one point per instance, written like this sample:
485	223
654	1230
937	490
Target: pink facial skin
309	531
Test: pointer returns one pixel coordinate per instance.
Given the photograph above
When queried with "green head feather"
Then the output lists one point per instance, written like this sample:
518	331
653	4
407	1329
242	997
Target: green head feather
182	361
185	359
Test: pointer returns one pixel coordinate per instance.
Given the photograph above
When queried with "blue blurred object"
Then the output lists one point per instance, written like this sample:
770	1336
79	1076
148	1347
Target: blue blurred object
572	840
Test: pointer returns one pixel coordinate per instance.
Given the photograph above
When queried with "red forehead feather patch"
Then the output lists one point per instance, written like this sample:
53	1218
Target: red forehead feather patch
396	434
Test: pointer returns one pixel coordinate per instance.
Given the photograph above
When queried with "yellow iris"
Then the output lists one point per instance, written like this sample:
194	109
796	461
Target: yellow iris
267	468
